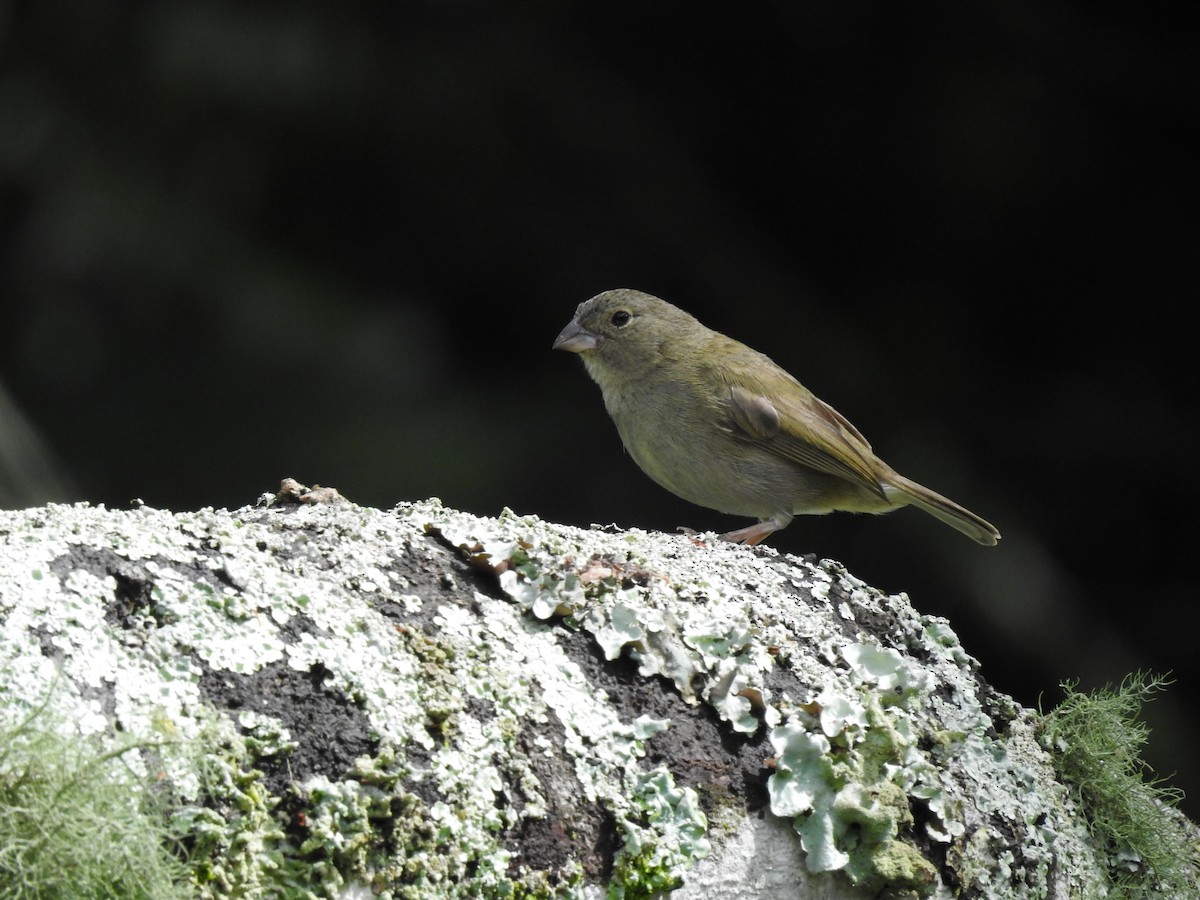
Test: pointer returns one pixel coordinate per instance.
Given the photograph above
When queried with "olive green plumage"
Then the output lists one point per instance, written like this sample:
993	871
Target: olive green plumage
724	427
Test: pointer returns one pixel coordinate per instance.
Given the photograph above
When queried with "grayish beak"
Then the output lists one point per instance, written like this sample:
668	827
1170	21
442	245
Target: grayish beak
575	338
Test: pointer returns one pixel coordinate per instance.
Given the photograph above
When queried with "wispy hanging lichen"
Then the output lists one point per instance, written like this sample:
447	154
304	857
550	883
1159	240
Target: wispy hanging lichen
1096	741
75	821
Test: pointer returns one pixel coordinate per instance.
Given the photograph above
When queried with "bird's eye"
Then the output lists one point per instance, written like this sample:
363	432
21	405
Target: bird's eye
621	318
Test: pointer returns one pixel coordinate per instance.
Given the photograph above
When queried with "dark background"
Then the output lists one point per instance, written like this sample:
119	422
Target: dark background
244	241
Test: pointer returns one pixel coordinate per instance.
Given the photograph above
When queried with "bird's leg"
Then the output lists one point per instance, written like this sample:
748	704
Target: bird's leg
752	534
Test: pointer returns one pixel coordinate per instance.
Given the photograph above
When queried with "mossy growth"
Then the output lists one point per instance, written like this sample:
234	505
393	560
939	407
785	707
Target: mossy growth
76	821
1095	740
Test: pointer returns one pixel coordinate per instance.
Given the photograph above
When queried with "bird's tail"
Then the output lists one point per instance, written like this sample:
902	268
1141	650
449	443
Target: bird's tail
974	527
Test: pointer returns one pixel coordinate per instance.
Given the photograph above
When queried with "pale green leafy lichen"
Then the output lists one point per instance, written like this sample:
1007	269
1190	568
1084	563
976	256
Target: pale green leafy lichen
661	842
847	805
871	715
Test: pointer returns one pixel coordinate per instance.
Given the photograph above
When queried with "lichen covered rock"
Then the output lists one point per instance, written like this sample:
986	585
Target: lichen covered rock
423	703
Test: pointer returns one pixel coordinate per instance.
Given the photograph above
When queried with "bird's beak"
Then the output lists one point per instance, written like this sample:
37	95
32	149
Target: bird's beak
575	338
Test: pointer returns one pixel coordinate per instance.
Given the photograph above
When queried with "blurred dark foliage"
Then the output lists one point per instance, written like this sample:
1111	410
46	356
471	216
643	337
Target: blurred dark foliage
244	241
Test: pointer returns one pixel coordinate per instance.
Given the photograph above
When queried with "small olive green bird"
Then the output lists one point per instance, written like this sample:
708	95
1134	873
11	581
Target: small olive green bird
724	427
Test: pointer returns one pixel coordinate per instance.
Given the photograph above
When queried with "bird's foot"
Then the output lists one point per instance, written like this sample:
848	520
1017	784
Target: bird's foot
753	534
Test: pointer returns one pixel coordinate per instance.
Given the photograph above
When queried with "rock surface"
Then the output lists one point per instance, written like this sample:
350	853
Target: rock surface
421	703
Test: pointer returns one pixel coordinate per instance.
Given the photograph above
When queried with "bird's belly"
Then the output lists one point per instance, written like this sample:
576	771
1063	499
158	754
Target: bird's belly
739	478
724	479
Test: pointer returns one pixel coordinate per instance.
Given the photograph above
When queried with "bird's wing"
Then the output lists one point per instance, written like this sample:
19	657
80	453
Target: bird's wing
799	427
